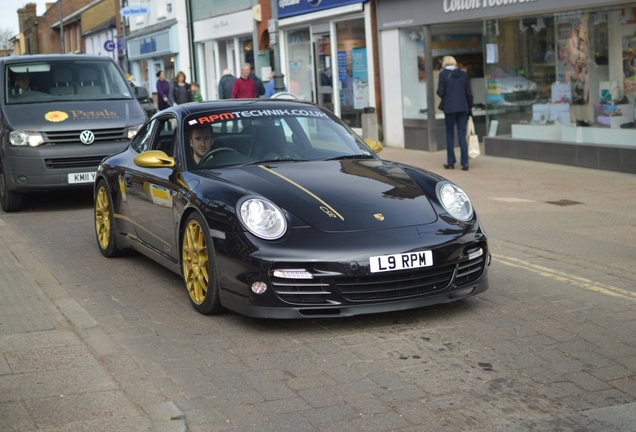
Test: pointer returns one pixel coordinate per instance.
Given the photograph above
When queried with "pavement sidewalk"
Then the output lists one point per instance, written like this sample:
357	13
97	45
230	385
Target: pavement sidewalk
51	377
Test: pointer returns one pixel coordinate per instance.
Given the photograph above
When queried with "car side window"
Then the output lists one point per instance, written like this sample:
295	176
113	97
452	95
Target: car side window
166	139
141	141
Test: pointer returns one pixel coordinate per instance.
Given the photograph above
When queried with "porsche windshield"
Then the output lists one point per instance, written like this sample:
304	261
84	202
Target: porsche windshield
61	80
262	135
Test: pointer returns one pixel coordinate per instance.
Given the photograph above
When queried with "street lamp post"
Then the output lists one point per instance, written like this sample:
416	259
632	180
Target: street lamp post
63	47
272	28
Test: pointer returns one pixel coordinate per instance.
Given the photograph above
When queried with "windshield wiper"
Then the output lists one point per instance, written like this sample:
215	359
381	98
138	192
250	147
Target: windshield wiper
264	161
351	156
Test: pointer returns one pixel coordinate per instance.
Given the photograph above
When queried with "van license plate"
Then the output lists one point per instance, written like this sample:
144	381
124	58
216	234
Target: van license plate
86	177
401	261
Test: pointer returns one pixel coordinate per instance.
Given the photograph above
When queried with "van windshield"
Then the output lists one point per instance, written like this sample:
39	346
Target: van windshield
59	80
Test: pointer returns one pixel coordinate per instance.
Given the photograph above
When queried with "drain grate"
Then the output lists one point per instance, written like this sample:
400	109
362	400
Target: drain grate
563	202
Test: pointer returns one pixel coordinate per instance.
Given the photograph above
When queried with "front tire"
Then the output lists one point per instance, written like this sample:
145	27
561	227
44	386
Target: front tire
105	230
198	266
9	200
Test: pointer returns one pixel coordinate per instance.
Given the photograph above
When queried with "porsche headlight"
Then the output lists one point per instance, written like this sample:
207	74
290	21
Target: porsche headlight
262	218
25	138
455	201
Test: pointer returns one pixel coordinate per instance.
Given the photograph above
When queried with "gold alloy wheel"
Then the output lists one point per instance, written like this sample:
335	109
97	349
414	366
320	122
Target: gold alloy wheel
102	217
195	262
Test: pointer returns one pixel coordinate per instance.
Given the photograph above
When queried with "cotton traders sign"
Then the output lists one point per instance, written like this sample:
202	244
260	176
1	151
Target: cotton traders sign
466	5
393	14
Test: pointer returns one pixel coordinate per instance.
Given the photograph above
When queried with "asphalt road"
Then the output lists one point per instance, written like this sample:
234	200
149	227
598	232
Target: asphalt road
551	346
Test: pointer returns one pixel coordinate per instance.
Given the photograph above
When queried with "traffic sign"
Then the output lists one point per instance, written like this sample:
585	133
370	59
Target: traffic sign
109	45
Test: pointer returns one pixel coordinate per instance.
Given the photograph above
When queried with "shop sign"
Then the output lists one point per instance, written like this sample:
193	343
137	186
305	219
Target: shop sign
109	45
288	8
130	11
466	5
148	46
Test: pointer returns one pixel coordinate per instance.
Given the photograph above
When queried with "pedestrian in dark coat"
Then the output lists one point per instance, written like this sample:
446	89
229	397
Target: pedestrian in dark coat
225	84
181	92
457	102
163	91
258	84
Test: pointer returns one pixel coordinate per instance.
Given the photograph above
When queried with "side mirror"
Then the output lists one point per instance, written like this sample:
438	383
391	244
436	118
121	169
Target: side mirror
154	159
141	93
375	145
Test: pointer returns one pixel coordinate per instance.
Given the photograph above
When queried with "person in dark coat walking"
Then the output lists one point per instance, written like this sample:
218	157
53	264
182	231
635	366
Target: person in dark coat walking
163	91
181	92
457	102
225	84
258	84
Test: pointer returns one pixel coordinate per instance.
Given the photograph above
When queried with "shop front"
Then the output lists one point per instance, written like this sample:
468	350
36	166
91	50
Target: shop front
551	82
327	55
223	42
153	49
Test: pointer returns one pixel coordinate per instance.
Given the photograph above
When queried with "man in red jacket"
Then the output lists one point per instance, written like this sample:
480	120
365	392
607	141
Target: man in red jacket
244	87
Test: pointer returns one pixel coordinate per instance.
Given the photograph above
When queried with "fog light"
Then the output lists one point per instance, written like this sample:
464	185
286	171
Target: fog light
293	274
259	287
475	254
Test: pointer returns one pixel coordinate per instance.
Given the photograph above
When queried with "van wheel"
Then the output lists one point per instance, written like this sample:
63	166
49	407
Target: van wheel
11	201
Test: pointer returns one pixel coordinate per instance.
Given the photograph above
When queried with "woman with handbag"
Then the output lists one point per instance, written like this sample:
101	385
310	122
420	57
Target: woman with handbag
457	101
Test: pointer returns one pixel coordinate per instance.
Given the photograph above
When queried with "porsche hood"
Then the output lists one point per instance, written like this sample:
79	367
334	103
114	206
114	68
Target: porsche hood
350	195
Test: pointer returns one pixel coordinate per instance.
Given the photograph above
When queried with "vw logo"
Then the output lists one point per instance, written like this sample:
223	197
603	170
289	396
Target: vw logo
314	3
87	137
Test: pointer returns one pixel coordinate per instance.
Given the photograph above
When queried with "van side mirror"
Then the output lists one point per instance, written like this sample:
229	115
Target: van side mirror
141	93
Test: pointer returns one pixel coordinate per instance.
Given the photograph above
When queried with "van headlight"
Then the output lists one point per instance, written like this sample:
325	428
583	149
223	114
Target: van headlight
262	218
132	131
25	138
455	201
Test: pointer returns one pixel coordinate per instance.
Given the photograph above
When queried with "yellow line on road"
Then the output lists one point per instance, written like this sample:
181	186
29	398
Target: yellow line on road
567	278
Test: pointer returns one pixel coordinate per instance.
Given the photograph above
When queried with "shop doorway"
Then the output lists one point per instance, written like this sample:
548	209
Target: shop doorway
324	77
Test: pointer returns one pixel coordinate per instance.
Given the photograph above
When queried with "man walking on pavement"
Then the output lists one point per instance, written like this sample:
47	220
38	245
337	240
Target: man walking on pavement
244	87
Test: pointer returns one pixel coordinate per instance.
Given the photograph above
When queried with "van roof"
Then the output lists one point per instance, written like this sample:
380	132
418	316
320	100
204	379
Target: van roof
52	57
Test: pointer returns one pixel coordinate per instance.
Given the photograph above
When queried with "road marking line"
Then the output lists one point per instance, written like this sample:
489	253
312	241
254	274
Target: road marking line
567	278
513	200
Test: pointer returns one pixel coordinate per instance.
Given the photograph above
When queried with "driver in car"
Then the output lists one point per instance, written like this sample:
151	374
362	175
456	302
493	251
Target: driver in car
201	141
22	81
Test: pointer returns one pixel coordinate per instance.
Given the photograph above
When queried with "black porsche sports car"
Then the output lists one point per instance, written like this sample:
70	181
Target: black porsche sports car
276	209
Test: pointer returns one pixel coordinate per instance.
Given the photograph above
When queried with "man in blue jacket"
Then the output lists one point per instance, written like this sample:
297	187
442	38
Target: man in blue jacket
457	102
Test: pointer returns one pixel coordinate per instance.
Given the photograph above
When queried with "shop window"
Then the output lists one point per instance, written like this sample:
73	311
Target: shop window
556	77
299	64
352	70
464	42
413	73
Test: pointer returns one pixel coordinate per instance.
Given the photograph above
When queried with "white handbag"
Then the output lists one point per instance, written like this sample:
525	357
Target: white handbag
472	139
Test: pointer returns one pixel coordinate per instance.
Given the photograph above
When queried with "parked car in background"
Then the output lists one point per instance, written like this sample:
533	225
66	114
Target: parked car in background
61	115
275	208
508	88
